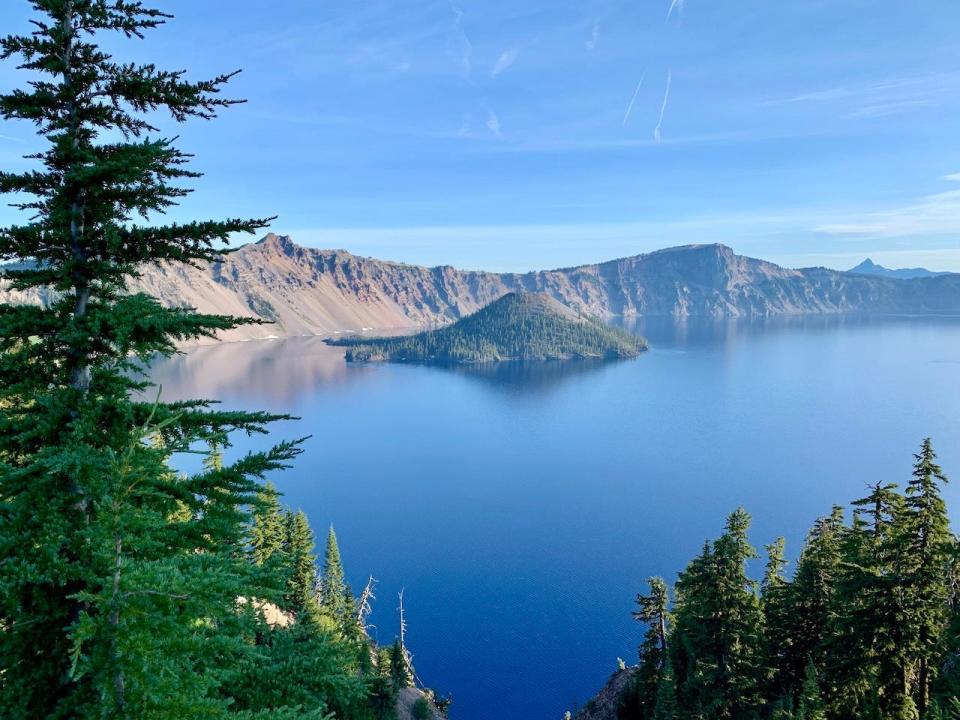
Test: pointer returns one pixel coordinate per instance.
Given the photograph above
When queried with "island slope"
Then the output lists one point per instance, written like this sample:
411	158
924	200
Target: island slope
518	326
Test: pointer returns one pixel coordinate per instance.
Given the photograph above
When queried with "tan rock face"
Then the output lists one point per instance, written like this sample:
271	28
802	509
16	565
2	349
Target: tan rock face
305	291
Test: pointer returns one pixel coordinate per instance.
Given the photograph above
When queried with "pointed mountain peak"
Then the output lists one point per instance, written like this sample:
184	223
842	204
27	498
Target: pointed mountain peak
275	239
866	266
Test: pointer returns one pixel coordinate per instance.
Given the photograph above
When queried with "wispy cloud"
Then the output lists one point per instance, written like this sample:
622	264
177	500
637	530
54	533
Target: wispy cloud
678	5
591	44
952	177
493	123
657	134
880	98
506	59
10	138
890	108
633	100
937	214
458	42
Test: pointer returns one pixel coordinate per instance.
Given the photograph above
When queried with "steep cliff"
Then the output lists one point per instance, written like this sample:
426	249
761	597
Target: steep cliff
306	291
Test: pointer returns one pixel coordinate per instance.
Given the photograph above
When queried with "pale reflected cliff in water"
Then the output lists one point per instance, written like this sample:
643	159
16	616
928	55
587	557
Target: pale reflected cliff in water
275	372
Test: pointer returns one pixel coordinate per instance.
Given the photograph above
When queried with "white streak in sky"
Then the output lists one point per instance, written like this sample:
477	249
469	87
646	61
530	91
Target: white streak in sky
633	100
663	108
678	5
594	37
493	124
464	50
11	138
506	59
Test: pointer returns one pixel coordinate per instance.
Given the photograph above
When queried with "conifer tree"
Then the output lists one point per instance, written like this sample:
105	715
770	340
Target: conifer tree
300	596
399	670
810	601
811	705
665	702
268	527
717	640
929	547
114	601
777	619
860	641
653	609
333	586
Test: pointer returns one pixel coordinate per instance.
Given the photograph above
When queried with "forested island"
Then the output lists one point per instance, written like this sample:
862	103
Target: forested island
518	326
867	627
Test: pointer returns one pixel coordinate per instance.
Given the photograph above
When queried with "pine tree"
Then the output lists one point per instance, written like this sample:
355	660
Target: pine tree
268	527
716	648
810	601
399	670
665	703
333	586
860	640
774	603
811	706
653	609
929	548
114	601
300	596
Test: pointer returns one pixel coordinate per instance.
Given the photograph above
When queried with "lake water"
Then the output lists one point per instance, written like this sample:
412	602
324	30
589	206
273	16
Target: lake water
523	507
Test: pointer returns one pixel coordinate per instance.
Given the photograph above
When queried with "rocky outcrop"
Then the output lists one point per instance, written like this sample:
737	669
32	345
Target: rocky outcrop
606	703
305	291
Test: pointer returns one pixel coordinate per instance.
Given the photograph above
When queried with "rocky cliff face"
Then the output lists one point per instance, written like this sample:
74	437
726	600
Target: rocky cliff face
304	291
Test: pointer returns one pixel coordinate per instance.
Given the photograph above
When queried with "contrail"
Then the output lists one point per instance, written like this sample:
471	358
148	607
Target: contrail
466	47
678	5
663	107
633	100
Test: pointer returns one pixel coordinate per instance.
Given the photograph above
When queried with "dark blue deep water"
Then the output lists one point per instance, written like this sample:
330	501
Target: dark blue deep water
522	507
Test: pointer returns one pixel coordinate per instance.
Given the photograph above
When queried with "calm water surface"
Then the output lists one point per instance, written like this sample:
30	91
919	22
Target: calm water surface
523	506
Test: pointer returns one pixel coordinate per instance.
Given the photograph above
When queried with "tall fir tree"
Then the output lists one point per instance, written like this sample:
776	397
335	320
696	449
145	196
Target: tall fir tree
268	526
333	585
301	595
777	620
860	639
717	642
653	609
118	596
929	547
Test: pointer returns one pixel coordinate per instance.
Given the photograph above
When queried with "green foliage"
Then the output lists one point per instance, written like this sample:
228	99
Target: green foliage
866	629
268	531
641	697
421	709
127	590
301	597
336	599
399	668
300	667
518	326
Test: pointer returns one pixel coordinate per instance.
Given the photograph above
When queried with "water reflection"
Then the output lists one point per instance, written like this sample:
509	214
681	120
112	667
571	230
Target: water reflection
530	377
280	371
673	333
276	372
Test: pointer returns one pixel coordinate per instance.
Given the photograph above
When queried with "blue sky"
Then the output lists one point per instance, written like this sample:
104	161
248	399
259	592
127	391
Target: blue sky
514	135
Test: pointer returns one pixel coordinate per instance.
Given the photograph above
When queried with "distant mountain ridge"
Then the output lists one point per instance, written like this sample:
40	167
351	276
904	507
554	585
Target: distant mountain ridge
517	326
869	267
307	291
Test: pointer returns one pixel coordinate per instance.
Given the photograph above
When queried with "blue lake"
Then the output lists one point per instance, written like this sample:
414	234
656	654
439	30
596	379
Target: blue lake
523	506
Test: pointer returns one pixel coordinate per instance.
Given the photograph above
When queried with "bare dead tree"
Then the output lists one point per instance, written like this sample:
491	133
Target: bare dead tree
407	657
365	605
